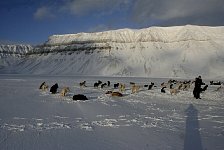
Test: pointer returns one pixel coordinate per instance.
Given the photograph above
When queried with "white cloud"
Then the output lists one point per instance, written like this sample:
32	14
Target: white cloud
43	13
170	11
82	7
176	9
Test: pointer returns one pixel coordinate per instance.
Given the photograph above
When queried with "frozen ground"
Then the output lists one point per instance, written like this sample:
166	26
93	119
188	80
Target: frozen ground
37	120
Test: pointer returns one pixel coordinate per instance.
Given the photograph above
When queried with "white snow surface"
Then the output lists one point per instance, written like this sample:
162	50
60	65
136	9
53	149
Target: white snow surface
35	119
179	51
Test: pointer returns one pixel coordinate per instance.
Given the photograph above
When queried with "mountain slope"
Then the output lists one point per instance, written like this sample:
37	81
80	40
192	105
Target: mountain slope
11	54
181	51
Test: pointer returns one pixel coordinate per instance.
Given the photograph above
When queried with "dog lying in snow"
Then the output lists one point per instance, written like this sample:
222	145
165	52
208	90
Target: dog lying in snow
118	94
64	91
79	97
132	83
215	83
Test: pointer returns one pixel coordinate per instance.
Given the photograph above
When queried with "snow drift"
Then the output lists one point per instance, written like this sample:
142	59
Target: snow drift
180	51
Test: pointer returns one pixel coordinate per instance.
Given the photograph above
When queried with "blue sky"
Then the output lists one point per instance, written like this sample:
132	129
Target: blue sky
33	21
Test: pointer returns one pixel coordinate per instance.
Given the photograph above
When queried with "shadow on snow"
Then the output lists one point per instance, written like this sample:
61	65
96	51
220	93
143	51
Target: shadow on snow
192	139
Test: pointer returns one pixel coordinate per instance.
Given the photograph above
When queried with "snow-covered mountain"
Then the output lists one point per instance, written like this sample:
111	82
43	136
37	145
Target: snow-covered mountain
11	54
180	51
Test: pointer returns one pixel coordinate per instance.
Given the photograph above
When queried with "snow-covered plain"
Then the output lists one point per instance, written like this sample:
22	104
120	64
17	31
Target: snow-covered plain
37	120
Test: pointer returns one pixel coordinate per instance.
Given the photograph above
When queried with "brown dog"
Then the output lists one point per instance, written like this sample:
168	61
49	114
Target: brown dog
116	94
135	88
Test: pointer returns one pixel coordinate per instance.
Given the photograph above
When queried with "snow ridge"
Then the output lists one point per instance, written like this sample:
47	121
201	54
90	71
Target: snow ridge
152	34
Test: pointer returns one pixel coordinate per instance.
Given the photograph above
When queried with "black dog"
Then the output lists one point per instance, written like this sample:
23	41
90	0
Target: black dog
82	84
54	88
103	85
79	97
215	83
97	84
150	86
163	90
116	85
204	88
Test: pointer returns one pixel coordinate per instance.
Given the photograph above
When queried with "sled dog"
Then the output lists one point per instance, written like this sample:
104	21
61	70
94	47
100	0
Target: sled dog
135	88
64	91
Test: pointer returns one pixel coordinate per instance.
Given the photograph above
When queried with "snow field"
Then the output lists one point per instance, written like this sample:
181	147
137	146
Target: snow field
148	119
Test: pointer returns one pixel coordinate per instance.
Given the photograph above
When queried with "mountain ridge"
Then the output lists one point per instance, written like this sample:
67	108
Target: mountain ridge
181	51
151	34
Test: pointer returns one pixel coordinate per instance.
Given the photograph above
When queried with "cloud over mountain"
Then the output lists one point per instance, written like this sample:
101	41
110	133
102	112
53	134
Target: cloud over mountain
158	12
182	11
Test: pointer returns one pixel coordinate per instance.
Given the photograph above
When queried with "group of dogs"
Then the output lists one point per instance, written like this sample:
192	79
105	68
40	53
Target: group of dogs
120	86
173	86
63	92
176	86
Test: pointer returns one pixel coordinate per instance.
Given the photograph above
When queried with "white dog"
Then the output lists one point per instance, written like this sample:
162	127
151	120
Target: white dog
64	91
